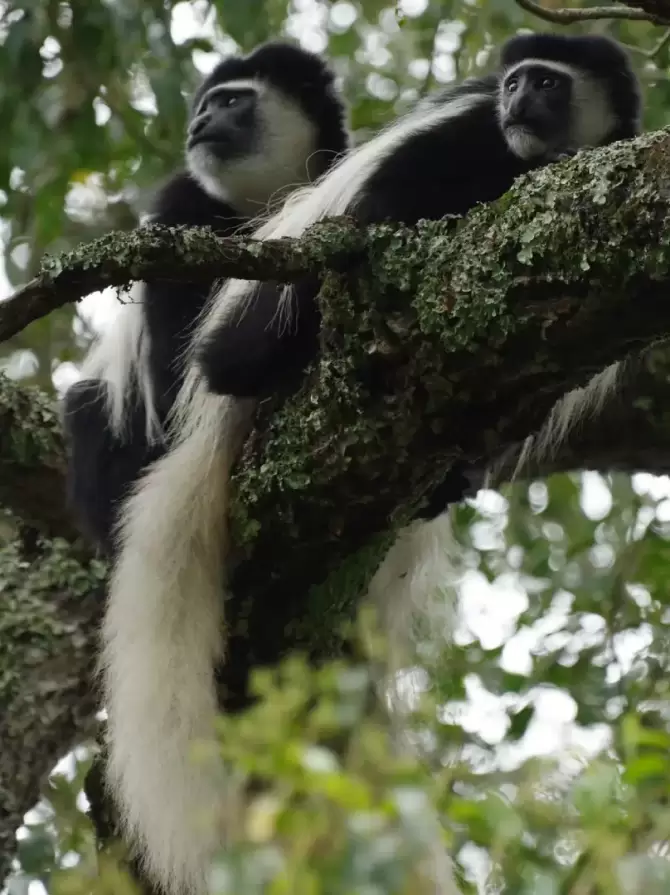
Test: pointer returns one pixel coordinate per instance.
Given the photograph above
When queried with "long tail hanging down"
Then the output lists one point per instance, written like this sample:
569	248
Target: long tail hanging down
163	634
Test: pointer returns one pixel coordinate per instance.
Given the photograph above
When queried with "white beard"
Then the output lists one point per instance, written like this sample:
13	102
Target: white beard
524	143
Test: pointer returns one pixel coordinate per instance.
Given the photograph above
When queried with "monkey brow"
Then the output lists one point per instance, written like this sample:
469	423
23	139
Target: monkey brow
541	68
545	66
229	88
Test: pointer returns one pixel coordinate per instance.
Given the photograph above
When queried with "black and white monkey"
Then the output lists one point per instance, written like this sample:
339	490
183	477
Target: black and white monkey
260	125
164	629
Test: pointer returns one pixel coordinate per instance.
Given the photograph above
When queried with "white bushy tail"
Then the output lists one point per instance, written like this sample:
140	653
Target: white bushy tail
415	581
164	635
163	638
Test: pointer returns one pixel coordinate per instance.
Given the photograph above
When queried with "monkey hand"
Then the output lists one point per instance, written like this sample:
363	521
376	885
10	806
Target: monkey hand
260	348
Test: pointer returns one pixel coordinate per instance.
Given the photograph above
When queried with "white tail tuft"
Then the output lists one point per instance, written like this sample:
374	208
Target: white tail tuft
573	409
411	583
120	358
163	637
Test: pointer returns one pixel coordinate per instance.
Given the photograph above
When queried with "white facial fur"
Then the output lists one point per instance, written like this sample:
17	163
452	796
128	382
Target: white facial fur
591	115
251	182
523	143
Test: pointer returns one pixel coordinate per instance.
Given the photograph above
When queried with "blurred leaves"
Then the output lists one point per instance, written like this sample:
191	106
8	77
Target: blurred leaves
334	807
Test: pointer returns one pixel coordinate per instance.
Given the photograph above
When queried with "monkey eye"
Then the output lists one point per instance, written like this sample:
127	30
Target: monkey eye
511	85
231	100
548	83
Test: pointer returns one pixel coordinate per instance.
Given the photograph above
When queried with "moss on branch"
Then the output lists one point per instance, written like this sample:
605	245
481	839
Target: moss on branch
452	341
32	460
49	615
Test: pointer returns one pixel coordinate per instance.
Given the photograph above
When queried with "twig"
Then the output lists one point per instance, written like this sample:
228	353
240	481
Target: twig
567	16
428	80
656	49
458	52
653	52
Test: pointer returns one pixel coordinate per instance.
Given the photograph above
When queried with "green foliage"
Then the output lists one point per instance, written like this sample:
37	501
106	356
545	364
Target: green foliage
333	807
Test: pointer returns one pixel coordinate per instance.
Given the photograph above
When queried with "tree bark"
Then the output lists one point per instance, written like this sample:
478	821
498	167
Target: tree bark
49	614
659	9
444	344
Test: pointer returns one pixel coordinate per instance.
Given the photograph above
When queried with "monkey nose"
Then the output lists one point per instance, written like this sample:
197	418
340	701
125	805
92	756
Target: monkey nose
199	125
518	110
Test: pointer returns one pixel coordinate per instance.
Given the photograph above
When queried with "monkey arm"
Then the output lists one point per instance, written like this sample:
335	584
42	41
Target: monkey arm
101	468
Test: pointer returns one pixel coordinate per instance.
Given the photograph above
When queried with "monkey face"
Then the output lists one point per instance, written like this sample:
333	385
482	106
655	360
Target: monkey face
534	107
225	123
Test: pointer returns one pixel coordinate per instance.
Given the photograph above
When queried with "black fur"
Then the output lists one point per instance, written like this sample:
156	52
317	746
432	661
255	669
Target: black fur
101	466
249	355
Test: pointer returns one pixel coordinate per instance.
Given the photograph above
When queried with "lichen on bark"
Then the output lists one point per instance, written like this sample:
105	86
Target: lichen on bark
51	606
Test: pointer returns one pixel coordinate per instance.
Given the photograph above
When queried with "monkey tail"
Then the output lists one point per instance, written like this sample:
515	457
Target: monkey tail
163	637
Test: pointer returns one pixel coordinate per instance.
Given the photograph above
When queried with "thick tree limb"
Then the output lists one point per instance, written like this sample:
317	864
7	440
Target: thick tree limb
569	273
440	344
49	615
630	434
32	460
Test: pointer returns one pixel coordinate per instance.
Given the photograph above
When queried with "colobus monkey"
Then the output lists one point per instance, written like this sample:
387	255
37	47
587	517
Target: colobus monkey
164	630
260	125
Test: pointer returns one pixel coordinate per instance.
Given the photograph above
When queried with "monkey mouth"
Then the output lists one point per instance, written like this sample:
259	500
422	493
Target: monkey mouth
524	141
520	126
214	143
200	140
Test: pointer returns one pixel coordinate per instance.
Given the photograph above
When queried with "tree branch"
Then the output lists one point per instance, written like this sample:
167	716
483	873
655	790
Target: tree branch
451	341
176	254
32	460
656	9
636	11
630	434
528	298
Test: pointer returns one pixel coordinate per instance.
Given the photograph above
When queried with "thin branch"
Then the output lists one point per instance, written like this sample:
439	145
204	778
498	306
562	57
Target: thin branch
427	83
175	254
653	52
656	8
568	16
656	49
